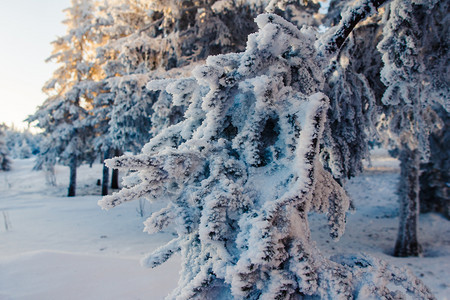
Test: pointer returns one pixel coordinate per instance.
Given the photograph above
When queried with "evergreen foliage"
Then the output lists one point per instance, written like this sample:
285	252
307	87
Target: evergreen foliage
241	173
149	38
145	40
352	115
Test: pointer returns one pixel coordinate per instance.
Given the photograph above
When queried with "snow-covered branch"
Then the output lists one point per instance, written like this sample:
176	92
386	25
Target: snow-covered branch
335	38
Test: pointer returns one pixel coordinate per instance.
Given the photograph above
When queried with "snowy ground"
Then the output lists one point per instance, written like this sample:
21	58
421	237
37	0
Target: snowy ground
54	247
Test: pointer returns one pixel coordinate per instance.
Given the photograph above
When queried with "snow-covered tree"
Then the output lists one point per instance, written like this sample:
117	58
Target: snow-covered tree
235	21
144	46
151	37
21	143
242	171
423	69
415	55
148	38
4	153
199	29
66	136
121	113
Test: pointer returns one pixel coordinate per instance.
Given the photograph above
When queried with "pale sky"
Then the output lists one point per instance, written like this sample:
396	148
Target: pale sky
26	29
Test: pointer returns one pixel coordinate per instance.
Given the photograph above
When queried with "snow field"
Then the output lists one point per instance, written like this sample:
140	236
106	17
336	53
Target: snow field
68	248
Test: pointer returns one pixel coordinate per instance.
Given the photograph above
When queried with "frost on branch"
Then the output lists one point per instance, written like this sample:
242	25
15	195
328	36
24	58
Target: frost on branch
241	173
353	86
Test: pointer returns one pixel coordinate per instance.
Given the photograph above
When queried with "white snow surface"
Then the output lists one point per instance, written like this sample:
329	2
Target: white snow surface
69	248
55	247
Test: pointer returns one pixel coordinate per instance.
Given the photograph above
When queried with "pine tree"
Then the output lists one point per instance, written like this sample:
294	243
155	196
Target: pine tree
241	172
415	56
66	136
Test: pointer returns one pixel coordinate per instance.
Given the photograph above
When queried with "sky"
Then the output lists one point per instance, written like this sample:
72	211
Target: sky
27	27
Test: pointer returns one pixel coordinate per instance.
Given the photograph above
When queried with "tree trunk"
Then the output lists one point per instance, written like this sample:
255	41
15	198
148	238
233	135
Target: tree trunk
115	179
115	173
407	241
50	177
73	177
105	177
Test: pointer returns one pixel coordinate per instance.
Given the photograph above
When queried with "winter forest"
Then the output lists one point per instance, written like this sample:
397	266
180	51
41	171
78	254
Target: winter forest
239	149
